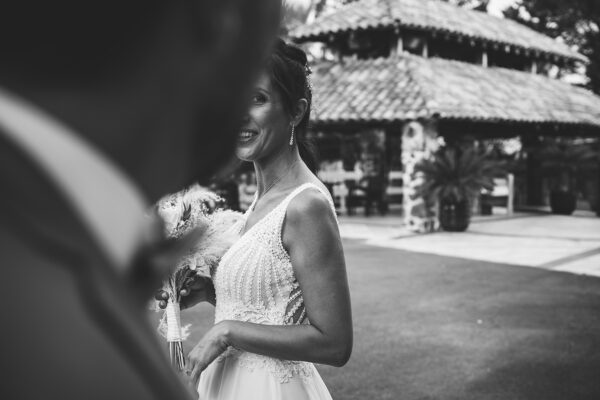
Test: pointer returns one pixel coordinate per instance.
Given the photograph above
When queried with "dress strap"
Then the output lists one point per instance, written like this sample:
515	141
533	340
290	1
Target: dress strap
253	204
300	189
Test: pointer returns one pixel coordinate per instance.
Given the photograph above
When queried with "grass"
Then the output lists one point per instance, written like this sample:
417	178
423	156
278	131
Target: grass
430	327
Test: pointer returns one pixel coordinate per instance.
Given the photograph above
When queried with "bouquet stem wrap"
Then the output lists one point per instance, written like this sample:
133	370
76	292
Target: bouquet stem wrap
193	209
174	336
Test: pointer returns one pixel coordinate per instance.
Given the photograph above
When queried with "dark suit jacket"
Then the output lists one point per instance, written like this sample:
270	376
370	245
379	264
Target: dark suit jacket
70	328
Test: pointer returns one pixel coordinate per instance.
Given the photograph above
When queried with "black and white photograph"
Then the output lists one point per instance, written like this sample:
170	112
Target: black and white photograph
300	199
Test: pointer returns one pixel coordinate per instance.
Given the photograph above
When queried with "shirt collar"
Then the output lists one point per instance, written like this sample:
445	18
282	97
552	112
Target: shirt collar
108	203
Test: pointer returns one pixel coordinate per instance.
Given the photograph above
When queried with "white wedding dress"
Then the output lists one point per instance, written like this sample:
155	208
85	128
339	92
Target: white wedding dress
255	282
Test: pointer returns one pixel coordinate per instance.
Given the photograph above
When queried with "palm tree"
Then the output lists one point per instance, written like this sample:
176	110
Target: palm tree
455	175
454	178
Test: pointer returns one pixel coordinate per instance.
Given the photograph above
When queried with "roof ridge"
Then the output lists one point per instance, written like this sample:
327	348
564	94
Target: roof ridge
433	15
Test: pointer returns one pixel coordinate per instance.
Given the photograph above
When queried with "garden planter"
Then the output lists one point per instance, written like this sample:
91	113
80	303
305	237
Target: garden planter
562	202
593	196
455	216
486	207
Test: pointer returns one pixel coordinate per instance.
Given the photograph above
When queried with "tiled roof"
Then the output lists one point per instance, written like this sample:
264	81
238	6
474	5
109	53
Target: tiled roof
431	15
366	90
406	87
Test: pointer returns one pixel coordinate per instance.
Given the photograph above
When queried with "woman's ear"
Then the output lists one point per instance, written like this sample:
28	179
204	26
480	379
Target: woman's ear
299	111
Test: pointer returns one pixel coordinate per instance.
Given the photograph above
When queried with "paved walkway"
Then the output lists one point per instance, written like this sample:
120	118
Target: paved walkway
562	243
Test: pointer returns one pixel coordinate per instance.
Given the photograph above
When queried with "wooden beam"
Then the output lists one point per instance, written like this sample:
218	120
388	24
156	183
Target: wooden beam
597	205
484	59
400	45
534	67
510	206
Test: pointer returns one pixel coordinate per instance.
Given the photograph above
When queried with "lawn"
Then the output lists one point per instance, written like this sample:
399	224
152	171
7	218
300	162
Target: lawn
431	327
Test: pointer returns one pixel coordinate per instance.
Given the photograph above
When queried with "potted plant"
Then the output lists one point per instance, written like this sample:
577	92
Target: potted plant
562	162
453	178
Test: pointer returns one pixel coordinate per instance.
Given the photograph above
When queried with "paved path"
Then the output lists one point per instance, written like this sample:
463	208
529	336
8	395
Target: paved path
562	243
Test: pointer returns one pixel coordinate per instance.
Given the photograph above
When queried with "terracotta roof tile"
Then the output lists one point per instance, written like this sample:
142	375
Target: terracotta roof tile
431	15
404	87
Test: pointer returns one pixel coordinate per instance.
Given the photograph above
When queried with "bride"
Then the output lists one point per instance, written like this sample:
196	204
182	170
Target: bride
282	298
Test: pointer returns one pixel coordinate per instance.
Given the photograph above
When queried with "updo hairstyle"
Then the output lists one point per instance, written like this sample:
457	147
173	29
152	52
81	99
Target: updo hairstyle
288	70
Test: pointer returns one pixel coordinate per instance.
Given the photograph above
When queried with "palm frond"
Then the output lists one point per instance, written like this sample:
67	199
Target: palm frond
458	175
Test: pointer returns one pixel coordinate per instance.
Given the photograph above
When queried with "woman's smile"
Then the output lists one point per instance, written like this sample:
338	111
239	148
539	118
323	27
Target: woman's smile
247	135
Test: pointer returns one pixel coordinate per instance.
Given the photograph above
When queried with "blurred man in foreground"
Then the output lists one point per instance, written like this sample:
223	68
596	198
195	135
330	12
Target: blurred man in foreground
105	106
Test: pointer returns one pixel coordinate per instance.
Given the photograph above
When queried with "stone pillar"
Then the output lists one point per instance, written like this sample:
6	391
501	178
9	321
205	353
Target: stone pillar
419	142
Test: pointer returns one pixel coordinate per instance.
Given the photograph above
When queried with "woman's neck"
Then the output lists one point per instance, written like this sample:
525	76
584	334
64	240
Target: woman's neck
271	170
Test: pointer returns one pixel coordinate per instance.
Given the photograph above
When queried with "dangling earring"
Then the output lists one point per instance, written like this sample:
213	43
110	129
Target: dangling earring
292	136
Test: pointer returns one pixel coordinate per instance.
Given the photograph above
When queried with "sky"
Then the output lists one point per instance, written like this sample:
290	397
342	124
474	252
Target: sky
496	6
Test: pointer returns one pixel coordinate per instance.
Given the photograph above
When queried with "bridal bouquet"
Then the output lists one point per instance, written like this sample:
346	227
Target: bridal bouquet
194	208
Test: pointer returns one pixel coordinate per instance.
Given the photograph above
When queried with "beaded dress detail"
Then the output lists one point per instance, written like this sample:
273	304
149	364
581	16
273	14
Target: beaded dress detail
255	282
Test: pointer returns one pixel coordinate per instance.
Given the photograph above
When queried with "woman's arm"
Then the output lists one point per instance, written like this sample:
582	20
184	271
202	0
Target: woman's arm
312	240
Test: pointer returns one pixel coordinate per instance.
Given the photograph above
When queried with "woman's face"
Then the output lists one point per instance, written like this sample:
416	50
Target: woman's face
266	127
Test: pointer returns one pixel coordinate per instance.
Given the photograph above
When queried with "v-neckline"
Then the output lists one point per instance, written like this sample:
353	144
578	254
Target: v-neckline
253	206
251	209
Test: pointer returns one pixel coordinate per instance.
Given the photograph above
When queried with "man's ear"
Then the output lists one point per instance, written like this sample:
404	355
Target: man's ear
299	110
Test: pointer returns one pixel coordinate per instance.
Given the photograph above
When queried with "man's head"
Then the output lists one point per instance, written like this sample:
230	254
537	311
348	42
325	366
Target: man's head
159	86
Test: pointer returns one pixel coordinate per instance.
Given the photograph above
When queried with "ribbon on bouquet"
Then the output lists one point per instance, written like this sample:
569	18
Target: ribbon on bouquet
174	334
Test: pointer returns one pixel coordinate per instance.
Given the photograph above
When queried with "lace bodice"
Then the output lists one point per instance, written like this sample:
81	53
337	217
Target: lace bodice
255	282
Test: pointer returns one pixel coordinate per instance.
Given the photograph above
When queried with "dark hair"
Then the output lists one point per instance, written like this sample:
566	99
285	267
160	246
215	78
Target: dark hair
288	70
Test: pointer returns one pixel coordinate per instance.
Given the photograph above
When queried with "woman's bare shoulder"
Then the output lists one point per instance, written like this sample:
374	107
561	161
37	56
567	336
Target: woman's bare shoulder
311	206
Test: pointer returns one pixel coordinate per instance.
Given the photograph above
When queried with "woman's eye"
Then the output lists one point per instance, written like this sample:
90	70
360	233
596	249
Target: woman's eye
259	98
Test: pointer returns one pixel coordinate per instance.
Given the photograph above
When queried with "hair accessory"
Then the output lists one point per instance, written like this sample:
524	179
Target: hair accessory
292	136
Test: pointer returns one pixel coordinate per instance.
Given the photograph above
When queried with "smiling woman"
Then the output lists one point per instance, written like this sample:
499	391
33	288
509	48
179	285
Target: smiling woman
262	133
282	298
282	90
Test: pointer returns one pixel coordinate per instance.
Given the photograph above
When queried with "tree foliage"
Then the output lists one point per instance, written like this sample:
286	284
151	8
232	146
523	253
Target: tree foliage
577	22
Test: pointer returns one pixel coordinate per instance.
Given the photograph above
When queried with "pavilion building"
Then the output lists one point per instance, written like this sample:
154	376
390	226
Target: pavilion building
403	74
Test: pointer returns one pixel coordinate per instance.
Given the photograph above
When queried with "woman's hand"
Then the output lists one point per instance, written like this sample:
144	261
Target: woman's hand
194	291
212	344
